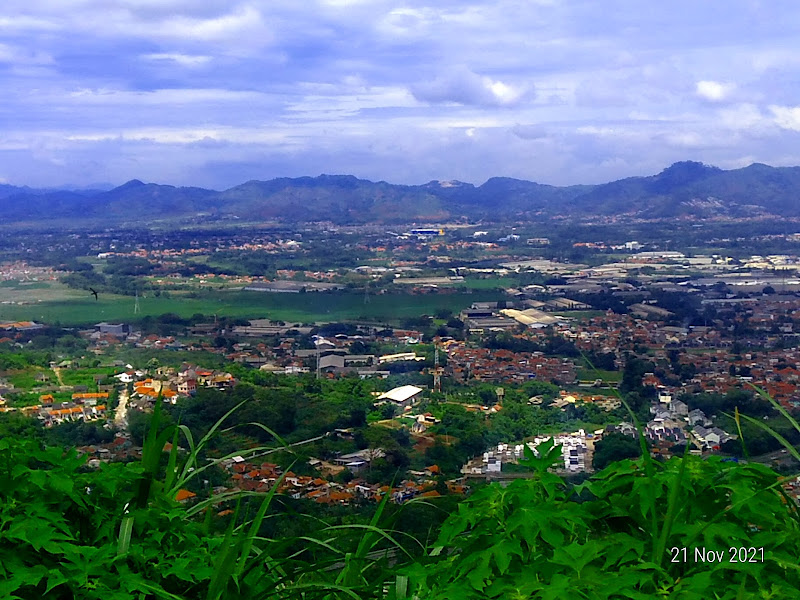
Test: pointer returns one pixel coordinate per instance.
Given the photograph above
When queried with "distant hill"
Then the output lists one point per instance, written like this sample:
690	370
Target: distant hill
683	189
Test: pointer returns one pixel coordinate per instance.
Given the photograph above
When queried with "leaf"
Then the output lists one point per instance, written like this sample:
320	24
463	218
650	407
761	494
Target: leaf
504	552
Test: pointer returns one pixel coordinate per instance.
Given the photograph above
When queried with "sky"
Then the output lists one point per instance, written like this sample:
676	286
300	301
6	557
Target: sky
217	92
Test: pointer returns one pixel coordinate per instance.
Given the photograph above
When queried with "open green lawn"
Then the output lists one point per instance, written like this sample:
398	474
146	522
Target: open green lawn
74	307
25	379
86	376
19	294
606	376
488	283
593	391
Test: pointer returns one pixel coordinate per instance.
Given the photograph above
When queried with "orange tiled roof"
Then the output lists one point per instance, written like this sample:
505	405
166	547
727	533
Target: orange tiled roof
184	495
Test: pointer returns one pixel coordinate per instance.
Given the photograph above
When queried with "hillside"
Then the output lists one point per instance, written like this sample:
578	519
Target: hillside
683	189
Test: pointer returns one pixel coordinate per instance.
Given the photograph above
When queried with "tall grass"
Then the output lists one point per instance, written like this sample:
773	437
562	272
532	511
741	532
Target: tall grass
245	564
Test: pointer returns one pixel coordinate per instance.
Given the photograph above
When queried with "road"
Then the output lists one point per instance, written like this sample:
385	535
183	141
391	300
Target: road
779	455
121	414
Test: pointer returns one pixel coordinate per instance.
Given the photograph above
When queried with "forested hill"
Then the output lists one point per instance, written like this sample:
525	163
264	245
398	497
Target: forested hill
685	189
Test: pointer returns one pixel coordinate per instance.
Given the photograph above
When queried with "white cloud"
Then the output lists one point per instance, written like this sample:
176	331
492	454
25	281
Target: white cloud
185	60
787	117
245	19
743	117
163	97
180	136
19	55
598	90
714	91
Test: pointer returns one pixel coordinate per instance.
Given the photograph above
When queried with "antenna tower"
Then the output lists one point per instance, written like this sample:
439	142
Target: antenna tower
437	370
136	309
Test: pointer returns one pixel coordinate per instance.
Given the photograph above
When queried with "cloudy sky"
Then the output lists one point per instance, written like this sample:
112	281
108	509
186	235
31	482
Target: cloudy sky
217	92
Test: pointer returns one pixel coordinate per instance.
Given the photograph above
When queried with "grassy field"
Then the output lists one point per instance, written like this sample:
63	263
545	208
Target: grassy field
86	376
26	379
30	293
56	303
488	283
606	376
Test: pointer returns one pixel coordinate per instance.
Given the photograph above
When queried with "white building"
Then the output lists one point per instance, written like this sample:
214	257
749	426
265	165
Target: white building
402	396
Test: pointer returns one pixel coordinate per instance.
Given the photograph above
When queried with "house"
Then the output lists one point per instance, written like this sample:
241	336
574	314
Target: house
332	362
184	495
679	408
126	377
360	460
187	387
697	417
402	396
116	329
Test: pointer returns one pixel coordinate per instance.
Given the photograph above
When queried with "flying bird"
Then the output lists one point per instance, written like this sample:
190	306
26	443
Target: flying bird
94	293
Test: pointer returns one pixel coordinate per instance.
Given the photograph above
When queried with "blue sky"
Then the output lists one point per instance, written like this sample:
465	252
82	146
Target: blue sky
217	92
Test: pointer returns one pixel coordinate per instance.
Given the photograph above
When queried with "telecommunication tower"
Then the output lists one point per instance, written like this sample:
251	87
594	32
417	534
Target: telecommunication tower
437	370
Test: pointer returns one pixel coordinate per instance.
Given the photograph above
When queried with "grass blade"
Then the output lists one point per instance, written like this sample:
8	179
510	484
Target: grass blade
247	542
784	442
672	509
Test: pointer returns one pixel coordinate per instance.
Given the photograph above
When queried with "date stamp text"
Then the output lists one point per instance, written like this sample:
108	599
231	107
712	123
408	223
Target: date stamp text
701	554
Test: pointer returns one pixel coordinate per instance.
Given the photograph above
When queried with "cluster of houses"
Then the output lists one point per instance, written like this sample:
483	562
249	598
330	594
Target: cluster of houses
484	364
261	477
576	453
82	407
171	384
673	424
121	449
566	398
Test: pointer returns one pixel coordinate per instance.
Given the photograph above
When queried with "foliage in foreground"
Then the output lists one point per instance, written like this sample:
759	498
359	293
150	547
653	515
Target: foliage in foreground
117	533
537	539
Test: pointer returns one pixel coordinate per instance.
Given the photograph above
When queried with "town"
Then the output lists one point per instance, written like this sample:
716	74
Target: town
470	345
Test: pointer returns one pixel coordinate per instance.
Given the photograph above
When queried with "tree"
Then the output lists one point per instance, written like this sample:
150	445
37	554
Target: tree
614	447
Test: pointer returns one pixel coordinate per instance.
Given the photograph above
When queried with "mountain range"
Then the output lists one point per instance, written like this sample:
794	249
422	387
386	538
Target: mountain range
685	189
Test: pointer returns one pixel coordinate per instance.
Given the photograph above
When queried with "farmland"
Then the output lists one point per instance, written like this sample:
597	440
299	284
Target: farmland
56	303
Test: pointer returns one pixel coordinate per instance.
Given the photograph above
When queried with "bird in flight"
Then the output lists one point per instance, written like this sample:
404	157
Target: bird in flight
94	293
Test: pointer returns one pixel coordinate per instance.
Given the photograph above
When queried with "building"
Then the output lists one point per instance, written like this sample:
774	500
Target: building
402	396
358	461
117	329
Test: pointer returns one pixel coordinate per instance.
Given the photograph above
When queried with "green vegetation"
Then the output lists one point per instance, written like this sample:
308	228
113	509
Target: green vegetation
291	308
88	376
613	448
118	533
532	539
605	376
27	379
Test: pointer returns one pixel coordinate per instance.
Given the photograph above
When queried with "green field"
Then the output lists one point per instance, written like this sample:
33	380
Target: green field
59	304
86	376
31	293
606	376
26	379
